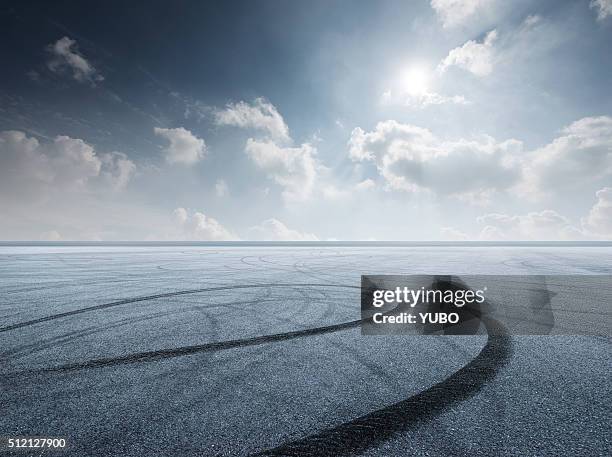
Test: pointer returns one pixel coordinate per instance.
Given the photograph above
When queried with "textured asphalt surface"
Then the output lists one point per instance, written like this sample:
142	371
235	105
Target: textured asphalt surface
241	351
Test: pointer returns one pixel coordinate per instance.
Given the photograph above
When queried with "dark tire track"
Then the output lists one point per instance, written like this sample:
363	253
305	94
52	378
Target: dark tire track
28	349
150	356
376	427
127	301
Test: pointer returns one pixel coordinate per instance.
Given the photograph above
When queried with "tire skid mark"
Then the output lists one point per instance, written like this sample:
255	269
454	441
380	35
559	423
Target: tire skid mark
150	356
374	428
351	437
28	349
127	301
147	356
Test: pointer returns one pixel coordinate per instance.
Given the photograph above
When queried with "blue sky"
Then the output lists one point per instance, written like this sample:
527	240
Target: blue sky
441	119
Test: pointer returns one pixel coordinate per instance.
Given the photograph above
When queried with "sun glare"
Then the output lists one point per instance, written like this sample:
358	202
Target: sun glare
415	80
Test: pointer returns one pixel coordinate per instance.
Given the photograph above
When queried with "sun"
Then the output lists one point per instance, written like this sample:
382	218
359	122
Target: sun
415	80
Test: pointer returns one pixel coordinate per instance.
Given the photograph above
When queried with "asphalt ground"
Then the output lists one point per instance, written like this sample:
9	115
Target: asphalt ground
129	351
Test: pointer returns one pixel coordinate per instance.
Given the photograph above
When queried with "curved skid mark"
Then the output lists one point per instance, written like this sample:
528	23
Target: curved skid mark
22	351
376	427
127	301
351	437
160	354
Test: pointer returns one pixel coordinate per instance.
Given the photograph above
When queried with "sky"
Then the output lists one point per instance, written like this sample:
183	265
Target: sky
276	120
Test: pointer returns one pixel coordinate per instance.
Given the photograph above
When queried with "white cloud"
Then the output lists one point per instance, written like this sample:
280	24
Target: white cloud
64	186
117	169
198	226
295	169
181	215
221	188
184	148
412	158
544	225
333	192
275	230
581	155
451	234
23	160
603	7
365	184
72	161
65	56
473	56
456	12
28	167
260	115
422	100
598	222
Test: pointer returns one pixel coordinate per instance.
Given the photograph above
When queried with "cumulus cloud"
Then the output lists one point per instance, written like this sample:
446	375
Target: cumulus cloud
274	230
72	160
198	226
61	189
117	169
603	8
259	115
582	154
544	225
452	234
64	57
295	169
29	167
475	57
598	222
411	158
456	12
184	148
534	226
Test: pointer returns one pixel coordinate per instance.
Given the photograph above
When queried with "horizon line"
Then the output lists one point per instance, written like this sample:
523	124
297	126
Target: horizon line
396	243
